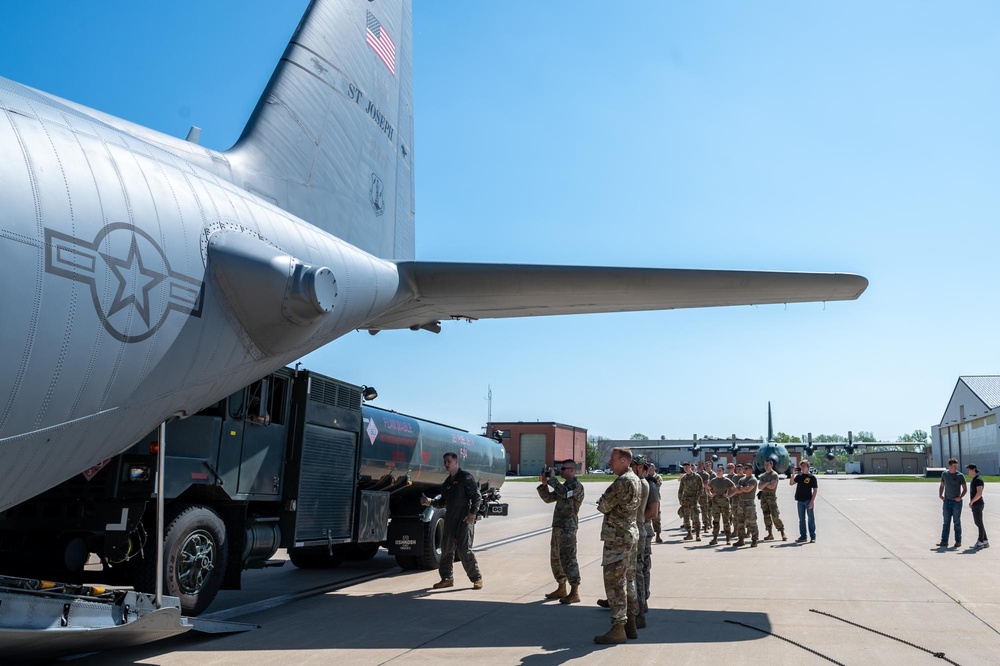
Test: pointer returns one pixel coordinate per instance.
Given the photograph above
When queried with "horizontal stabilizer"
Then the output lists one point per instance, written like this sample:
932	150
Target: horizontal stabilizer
431	292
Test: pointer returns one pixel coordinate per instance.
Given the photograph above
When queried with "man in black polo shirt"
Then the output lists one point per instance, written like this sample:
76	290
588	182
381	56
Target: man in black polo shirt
805	497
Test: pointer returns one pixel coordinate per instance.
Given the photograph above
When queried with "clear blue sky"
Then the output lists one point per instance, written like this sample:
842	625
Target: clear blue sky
853	136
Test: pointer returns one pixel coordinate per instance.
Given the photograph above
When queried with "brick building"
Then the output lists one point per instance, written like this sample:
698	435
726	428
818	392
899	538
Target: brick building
533	445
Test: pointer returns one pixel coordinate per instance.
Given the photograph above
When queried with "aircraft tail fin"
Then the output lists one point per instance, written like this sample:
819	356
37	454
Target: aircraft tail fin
331	138
770	428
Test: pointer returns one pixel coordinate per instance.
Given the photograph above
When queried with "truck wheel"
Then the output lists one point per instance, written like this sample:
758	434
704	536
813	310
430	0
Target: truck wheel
360	552
317	557
195	552
433	536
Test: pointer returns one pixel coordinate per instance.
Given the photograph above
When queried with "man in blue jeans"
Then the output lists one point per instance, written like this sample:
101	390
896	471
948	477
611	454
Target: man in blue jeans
805	497
951	491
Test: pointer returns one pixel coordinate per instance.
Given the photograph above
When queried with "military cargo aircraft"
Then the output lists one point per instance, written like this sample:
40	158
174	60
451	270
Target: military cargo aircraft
147	276
776	452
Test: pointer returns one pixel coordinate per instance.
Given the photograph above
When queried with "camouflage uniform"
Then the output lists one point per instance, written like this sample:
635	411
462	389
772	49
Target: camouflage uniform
746	510
703	499
720	487
637	568
735	478
619	534
647	556
692	488
568	498
681	513
658	480
769	503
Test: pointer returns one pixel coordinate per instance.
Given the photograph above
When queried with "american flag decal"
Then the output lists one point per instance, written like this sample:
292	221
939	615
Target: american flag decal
381	43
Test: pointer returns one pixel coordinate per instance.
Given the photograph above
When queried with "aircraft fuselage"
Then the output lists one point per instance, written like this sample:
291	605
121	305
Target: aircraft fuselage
120	320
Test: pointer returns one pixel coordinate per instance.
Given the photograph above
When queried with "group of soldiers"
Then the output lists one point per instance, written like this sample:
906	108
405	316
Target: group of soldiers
631	508
727	500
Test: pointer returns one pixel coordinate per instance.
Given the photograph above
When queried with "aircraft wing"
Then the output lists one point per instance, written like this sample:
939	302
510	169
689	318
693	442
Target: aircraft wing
431	292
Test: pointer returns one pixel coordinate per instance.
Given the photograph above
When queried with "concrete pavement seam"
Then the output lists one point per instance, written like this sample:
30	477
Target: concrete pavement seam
909	566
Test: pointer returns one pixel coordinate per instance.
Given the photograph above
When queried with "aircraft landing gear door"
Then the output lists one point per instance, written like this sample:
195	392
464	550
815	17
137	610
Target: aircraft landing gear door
263	438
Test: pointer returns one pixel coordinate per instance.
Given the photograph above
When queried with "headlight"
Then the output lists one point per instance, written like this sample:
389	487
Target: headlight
138	473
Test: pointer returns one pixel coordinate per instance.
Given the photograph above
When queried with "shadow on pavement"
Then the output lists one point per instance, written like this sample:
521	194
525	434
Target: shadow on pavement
417	620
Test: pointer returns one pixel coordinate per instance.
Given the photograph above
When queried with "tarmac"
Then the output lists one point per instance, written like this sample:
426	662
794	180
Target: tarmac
874	564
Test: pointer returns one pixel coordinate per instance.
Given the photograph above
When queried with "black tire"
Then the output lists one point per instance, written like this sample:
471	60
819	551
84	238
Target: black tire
360	552
408	562
195	552
317	557
433	536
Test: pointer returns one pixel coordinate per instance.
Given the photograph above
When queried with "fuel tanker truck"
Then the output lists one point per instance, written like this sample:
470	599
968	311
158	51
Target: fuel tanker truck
295	461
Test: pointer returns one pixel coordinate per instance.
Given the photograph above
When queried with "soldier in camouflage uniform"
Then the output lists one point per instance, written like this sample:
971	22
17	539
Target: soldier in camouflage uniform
746	508
735	477
720	487
692	488
568	497
705	472
619	533
768	485
652	510
658	480
636	569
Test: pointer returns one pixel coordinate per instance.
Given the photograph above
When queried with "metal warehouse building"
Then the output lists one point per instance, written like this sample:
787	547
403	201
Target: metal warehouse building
893	462
968	429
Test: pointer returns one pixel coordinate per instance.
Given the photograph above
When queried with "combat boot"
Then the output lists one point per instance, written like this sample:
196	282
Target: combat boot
559	592
728	537
613	637
769	537
715	540
658	539
741	542
603	603
783	537
689	536
440	585
640	621
631	630
698	538
573	597
753	544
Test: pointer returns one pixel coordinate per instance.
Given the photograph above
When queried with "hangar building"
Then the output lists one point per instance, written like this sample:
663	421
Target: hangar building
893	462
533	445
968	429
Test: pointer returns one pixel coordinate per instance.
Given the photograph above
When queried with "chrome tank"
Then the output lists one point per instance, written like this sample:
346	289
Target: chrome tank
399	445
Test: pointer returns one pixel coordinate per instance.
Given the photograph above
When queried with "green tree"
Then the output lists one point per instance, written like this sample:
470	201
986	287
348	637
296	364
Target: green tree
784	438
864	436
917	437
593	455
822	439
638	435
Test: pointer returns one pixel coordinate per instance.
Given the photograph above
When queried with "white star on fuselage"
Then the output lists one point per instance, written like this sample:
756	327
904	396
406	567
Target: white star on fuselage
142	280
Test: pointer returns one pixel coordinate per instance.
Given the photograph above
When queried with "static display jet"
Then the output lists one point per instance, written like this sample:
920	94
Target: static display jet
776	452
146	276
